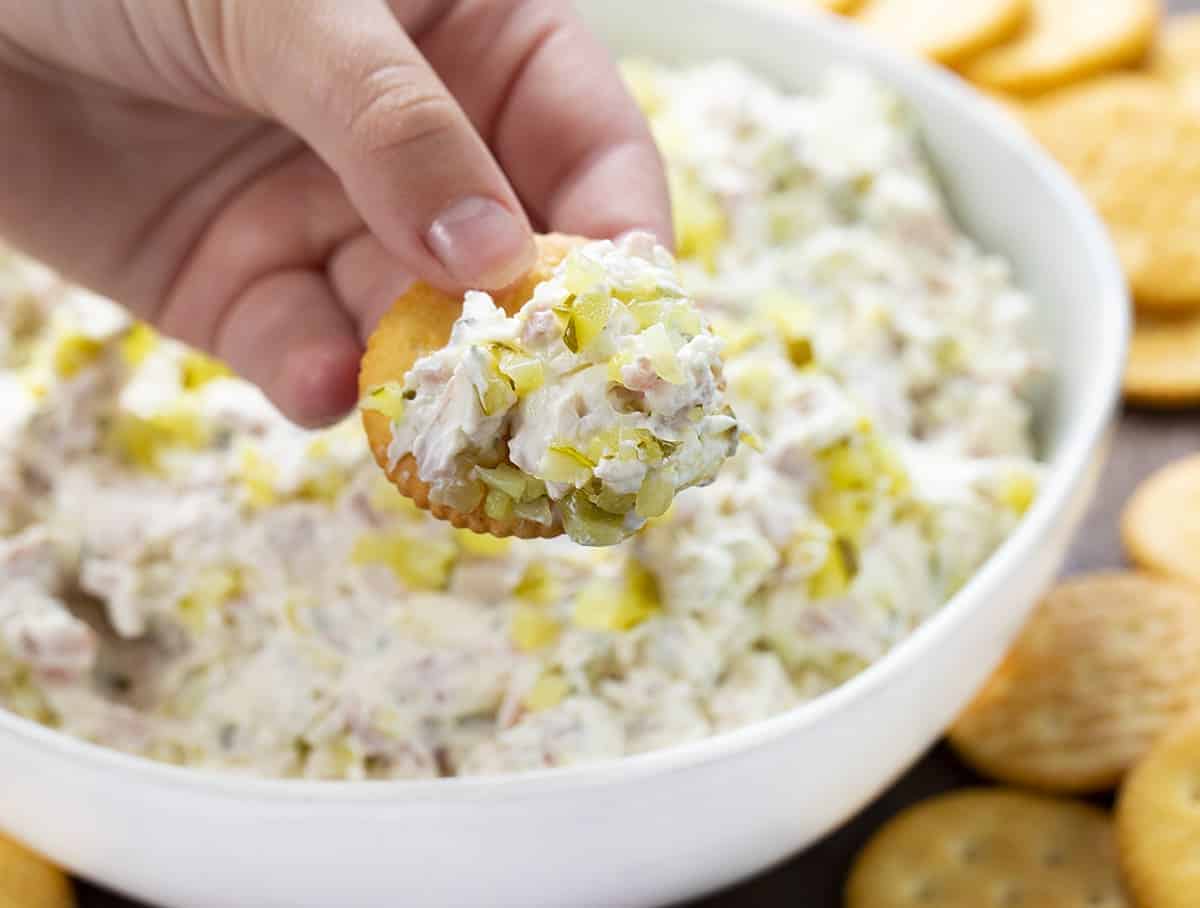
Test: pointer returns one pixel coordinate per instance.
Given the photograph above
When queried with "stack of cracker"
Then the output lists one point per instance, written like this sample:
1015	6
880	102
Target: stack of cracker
1101	691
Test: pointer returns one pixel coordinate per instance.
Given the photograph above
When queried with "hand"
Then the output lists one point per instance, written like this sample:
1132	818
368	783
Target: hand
260	178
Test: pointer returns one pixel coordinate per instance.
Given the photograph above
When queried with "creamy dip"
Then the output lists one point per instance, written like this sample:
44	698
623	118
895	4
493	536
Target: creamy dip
189	577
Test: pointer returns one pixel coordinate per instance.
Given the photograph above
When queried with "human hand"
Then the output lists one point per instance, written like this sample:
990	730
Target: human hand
259	179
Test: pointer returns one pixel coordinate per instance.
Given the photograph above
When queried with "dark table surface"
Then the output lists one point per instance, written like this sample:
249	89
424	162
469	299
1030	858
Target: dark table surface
813	878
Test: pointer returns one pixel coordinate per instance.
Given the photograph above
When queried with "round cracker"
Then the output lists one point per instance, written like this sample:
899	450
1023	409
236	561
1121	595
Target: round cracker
1105	665
1176	56
29	881
418	323
1164	363
946	32
1158	823
1065	41
1160	525
989	846
1131	144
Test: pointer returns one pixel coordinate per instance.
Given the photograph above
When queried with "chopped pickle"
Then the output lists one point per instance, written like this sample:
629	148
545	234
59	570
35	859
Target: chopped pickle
647	312
497	395
497	505
618	606
537	585
845	512
74	352
258	477
613	502
483	545
199	370
685	320
700	225
538	510
655	495
212	588
462	495
581	275
834	576
326	487
590	316
662	354
1017	492
138	343
141	441
566	464
505	478
387	399
752	441
547	692
588	524
421	564
532	627
525	372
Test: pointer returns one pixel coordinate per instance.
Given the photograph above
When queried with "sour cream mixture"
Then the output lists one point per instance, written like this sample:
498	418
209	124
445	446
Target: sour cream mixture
591	407
189	577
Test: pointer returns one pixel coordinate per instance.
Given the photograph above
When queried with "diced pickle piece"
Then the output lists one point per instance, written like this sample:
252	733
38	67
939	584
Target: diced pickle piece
663	355
588	524
537	585
537	510
532	627
547	692
420	564
655	495
483	545
618	606
590	316
74	352
525	372
566	464
387	399
505	478
497	505
199	370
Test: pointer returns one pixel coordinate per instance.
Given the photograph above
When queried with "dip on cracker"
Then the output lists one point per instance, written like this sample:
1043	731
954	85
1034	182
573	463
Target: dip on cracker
582	402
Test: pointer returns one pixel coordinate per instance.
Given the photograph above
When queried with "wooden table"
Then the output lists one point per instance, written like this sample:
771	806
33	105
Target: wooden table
813	878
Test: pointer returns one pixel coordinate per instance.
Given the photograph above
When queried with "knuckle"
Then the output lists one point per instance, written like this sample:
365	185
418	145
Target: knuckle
393	109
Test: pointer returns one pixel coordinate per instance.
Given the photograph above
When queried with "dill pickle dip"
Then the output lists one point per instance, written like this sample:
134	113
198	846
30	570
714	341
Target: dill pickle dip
591	407
188	577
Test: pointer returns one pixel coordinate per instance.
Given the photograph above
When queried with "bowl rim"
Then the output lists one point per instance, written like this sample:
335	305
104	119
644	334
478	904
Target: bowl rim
1083	436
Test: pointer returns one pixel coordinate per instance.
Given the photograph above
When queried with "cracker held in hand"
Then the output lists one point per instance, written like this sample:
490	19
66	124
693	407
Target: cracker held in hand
1131	144
1164	363
1066	41
580	400
946	32
975	848
1161	523
1105	665
29	881
1158	823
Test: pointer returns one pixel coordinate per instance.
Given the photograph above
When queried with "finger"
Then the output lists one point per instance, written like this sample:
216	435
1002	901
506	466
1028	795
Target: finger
288	335
556	112
367	279
346	77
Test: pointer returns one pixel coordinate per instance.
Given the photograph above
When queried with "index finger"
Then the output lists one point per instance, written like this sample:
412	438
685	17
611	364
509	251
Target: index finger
556	113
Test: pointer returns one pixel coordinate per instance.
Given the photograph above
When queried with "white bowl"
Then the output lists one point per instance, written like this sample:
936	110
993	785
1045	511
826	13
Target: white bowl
672	824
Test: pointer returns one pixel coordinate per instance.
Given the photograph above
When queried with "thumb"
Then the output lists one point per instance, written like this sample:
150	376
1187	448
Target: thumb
345	76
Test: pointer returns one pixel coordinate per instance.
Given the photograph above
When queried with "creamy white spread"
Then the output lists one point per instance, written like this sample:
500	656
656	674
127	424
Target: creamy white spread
189	577
590	407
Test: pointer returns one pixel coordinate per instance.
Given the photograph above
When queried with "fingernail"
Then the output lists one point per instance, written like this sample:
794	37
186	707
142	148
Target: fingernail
481	243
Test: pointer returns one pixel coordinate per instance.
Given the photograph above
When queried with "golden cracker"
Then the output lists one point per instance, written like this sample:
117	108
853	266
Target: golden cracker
1164	363
1176	57
1065	41
989	846
946	32
1131	144
418	323
29	881
1106	664
1160	525
1158	823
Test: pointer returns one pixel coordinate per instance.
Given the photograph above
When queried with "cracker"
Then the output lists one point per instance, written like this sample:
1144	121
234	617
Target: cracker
946	32
1106	664
1131	144
981	847
1176	56
1164	363
1158	823
29	881
1065	41
1160	525
419	322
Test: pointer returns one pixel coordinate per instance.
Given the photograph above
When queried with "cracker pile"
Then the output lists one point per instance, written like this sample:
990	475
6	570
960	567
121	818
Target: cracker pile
28	881
1100	691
